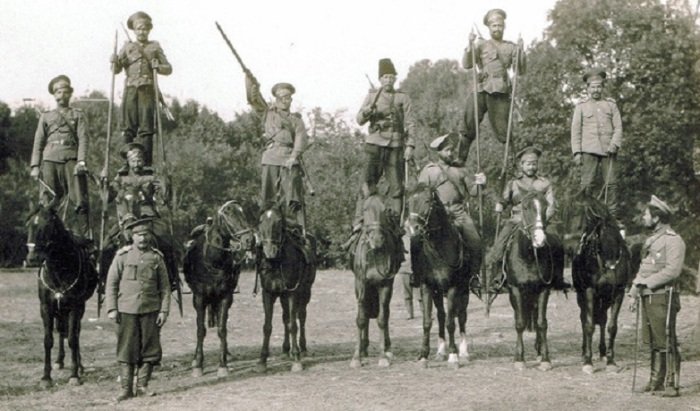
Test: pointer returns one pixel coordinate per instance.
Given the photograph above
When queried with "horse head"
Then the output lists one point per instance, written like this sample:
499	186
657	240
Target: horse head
601	236
372	222
234	227
46	228
533	218
271	232
424	211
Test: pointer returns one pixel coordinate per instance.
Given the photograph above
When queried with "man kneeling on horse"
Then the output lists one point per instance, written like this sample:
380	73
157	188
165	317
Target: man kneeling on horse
664	252
138	299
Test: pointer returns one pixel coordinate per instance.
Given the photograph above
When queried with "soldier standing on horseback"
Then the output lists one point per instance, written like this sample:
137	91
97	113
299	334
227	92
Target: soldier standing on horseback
139	59
138	299
513	194
59	155
493	57
664	252
286	139
596	137
454	186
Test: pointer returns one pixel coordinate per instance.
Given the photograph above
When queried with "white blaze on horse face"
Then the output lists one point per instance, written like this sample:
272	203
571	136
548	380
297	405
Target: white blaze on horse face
538	237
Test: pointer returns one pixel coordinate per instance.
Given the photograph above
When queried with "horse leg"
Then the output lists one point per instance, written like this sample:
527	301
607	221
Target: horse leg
586	302
441	353
541	307
292	306
362	338
516	301
385	292
452	310
74	317
612	329
427	311
285	321
47	316
224	305
268	307
462	317
602	323
301	312
201	309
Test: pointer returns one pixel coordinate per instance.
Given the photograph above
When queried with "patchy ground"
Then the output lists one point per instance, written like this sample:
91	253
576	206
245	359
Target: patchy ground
488	381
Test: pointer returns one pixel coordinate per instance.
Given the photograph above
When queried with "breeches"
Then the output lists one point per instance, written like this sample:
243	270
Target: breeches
595	172
60	178
470	235
138	339
654	313
498	107
283	183
386	161
138	113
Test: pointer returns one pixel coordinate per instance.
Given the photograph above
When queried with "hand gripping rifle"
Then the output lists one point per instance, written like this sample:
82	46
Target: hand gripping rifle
104	189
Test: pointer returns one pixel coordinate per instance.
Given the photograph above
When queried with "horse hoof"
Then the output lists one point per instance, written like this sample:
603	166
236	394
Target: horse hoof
195	364
539	358
355	363
389	355
588	369
197	372
74	381
545	366
519	365
453	361
463	351
423	362
261	367
383	362
296	366
222	372
612	369
57	366
45	384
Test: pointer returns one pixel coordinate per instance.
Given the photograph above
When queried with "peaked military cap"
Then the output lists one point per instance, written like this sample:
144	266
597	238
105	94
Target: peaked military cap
59	81
443	141
595	73
141	225
494	12
659	204
126	148
139	15
386	67
529	150
282	86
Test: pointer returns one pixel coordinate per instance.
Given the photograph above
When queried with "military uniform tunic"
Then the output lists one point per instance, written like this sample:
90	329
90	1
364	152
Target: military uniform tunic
138	289
136	195
664	252
60	141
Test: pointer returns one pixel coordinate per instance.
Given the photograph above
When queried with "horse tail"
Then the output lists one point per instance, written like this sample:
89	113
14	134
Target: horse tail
371	302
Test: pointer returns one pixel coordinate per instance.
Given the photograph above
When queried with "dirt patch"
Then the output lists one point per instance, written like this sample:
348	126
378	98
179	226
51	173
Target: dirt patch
488	381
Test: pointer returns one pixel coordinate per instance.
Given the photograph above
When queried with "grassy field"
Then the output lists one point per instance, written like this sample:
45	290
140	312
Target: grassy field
488	381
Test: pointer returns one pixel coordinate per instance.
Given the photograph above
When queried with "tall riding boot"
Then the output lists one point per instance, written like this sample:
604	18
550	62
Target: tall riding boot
657	384
127	381
143	378
671	390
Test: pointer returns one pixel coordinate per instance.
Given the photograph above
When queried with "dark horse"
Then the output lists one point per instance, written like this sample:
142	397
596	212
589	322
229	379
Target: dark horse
600	271
534	265
440	259
376	259
212	266
67	279
285	272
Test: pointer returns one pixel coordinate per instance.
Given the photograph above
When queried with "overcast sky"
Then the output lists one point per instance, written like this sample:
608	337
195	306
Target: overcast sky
323	47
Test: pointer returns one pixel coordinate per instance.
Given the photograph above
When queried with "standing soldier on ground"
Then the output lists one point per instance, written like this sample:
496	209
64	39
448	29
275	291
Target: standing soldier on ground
286	139
596	137
493	57
391	138
59	156
138	59
138	299
664	252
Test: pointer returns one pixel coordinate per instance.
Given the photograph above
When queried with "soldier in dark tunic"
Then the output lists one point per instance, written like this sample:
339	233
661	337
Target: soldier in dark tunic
138	59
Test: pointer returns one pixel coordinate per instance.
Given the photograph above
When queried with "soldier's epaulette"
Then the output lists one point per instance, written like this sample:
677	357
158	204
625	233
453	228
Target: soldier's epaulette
670	231
157	251
610	100
148	170
297	115
584	100
124	249
78	109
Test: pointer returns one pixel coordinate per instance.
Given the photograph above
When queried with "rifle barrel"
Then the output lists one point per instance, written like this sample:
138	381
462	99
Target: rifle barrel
230	46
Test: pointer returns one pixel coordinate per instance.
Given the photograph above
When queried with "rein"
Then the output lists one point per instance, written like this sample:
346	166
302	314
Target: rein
424	231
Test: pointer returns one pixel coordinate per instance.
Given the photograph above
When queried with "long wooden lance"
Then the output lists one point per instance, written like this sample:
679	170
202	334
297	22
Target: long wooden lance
484	273
104	175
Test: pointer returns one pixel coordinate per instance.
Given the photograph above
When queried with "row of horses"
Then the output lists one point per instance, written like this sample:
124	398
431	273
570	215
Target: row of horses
533	266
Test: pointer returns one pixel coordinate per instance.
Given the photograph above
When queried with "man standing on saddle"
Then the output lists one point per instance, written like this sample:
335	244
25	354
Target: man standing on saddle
513	195
663	256
596	137
286	138
59	156
493	57
138	299
139	59
453	185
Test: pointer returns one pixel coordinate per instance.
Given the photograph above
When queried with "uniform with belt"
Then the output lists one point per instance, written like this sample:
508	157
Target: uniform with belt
494	58
664	252
139	101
